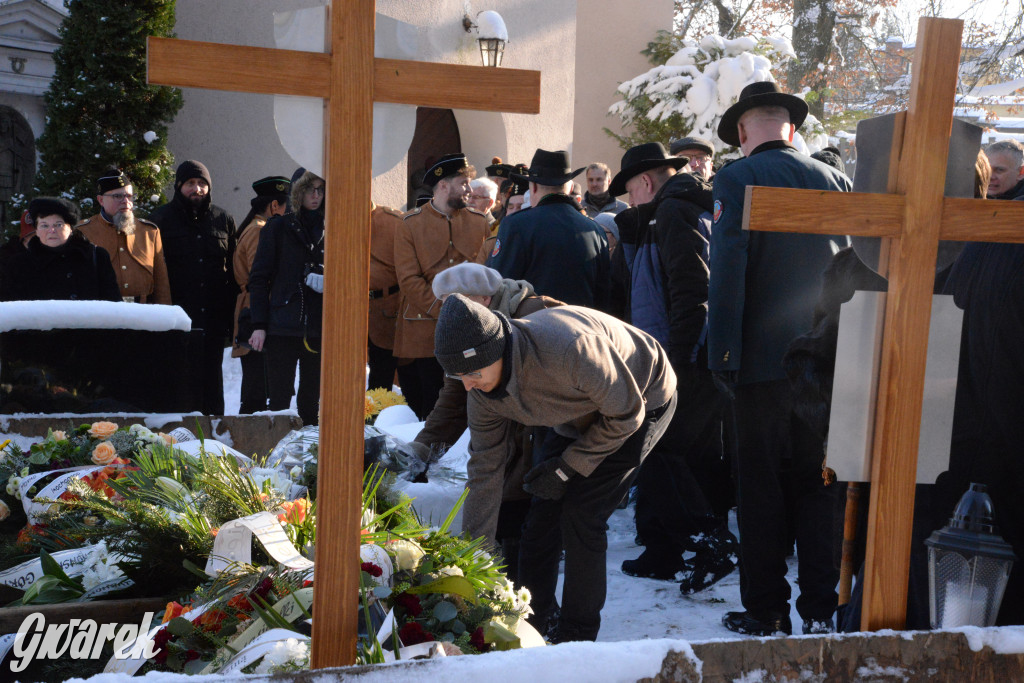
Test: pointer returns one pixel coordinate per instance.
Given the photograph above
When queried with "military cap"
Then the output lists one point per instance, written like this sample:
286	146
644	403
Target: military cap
449	164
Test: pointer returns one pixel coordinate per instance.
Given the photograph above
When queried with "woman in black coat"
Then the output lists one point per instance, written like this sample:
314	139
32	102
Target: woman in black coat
286	298
59	262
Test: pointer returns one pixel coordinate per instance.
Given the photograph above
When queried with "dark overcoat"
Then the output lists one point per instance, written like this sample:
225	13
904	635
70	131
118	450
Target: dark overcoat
77	269
764	285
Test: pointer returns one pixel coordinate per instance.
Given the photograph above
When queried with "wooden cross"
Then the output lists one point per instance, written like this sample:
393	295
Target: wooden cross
912	220
350	79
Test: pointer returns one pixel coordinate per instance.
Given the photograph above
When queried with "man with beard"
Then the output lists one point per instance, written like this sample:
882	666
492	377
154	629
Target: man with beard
199	243
438	235
134	244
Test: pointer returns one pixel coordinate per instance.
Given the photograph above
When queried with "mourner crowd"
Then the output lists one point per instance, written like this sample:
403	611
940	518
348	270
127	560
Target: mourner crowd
591	346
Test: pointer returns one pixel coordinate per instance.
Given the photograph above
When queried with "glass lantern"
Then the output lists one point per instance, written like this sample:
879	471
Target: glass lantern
968	565
491	51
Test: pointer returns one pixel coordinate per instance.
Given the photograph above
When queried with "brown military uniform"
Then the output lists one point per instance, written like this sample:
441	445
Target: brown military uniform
428	242
245	252
384	291
138	259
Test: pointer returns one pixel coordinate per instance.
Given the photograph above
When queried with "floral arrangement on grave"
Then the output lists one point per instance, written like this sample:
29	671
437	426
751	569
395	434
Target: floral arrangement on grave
379	399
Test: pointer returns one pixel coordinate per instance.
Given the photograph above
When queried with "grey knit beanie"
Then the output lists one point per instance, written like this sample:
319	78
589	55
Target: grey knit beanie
468	336
471	279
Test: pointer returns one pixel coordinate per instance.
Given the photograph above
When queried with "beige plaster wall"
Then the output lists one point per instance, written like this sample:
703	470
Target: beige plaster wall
609	38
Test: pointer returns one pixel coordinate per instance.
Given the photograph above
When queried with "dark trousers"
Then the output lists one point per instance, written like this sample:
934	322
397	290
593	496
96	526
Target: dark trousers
579	522
282	355
779	482
254	394
382	367
685	472
421	381
206	381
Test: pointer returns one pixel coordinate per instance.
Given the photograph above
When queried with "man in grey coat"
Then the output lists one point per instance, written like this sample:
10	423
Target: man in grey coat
606	390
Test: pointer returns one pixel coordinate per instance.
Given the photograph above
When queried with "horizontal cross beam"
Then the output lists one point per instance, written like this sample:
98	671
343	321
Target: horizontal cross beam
172	61
862	214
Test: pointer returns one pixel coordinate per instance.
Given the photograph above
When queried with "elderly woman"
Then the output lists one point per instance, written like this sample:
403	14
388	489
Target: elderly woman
59	262
286	298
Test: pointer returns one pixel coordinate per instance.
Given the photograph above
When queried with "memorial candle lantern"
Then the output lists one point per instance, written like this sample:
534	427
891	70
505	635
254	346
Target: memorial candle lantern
968	565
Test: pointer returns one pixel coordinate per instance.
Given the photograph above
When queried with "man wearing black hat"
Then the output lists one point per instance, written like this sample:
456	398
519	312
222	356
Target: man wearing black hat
554	246
199	243
761	297
438	235
271	200
134	244
608	391
682	489
700	152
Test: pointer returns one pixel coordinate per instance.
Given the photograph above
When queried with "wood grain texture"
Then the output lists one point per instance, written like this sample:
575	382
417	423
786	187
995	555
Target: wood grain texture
195	64
777	209
982	220
349	132
921	179
457	86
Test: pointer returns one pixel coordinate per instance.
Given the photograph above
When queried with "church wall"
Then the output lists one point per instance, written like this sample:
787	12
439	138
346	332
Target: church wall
234	133
610	36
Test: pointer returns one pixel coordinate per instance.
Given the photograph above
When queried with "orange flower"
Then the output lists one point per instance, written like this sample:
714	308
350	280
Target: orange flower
102	430
241	603
170	440
294	512
174	609
104	453
212	620
59	436
214	531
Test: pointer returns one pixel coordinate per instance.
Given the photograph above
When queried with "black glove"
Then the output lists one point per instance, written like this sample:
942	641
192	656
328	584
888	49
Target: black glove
549	479
725	381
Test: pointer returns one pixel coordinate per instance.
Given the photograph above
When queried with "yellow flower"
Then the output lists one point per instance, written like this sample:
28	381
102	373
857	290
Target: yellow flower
104	453
5	511
371	408
102	430
379	399
168	438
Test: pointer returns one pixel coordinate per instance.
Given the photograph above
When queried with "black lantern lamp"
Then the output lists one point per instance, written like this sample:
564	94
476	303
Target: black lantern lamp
492	36
968	565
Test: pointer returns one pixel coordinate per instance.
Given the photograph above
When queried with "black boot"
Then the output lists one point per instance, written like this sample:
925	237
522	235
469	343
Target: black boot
716	558
758	625
655	565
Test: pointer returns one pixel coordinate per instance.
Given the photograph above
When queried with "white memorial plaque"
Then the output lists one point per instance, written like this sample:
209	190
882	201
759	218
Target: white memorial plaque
855	388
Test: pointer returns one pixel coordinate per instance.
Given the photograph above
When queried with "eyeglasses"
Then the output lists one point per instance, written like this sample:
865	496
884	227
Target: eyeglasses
459	376
316	190
121	196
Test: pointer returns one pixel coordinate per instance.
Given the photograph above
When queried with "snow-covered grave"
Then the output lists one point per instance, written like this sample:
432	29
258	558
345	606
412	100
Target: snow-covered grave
93	356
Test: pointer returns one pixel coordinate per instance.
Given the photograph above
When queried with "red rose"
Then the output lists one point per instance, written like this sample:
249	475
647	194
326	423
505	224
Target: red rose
477	640
412	633
160	640
411	603
371	569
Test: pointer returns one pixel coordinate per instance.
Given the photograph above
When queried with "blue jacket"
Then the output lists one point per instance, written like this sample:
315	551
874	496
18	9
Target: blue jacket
764	284
557	249
665	244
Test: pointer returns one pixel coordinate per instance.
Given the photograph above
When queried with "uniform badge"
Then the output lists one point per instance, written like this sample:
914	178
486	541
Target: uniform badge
718	209
497	248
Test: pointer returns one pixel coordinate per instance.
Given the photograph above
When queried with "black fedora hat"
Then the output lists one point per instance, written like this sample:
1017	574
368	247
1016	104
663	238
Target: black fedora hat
759	94
642	158
548	168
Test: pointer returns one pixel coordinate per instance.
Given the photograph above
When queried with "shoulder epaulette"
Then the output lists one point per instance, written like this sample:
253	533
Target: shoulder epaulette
392	212
412	212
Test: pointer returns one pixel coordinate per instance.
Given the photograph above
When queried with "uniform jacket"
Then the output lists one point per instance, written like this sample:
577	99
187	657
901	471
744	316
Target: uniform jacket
764	285
665	245
76	270
245	253
138	259
281	303
557	249
198	249
426	243
384	223
580	371
613	205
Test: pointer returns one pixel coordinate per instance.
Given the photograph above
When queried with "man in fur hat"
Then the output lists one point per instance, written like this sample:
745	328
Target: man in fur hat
199	243
761	296
134	244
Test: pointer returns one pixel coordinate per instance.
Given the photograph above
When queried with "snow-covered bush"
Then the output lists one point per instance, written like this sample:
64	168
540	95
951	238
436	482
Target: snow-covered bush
688	94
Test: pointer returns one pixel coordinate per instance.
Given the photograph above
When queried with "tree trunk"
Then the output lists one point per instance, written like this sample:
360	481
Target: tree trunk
813	24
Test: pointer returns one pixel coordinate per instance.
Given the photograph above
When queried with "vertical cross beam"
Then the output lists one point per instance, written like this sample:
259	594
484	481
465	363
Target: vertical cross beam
348	136
912	254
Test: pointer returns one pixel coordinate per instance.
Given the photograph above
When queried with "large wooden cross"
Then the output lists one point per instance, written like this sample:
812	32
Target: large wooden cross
912	220
351	80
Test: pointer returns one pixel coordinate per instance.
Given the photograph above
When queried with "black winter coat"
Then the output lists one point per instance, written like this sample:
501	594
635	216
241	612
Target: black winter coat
76	270
290	246
665	244
199	248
